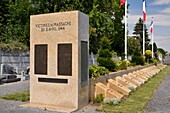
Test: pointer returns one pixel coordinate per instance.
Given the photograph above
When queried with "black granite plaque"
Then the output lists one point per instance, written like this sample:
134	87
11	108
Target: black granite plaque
40	61
65	59
53	80
84	61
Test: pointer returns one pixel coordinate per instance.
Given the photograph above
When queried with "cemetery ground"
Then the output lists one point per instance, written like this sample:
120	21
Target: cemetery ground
138	101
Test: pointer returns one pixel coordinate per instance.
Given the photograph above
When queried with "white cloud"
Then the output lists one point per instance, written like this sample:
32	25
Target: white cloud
161	22
166	11
162	42
161	38
160	19
133	19
161	2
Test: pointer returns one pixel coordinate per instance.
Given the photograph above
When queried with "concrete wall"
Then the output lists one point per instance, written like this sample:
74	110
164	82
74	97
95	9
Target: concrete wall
15	58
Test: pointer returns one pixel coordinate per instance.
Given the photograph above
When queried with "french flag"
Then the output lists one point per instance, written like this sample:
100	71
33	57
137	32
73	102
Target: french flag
151	27
122	2
144	10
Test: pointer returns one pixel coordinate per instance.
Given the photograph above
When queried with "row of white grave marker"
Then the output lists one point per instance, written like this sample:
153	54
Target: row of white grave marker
121	86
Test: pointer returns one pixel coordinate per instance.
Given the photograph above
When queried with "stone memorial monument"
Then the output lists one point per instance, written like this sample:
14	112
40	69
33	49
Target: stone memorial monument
59	49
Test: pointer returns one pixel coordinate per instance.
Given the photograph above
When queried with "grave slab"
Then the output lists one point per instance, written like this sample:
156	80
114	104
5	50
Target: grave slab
142	81
124	82
118	87
140	76
106	91
132	80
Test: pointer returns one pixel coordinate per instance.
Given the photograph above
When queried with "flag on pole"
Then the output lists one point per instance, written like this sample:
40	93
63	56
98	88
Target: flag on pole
151	26
144	10
122	2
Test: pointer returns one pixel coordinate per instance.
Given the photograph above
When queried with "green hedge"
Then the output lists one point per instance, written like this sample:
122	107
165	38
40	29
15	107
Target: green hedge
106	62
96	71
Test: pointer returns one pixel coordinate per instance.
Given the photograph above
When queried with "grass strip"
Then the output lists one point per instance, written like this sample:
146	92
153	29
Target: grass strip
137	100
20	96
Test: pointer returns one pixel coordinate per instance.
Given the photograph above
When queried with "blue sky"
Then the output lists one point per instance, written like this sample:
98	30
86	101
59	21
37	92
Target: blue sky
160	11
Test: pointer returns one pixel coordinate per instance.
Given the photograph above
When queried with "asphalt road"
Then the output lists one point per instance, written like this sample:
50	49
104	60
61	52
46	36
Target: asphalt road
9	106
160	103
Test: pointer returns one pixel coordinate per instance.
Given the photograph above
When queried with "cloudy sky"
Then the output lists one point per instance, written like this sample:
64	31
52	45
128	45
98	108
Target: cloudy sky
160	11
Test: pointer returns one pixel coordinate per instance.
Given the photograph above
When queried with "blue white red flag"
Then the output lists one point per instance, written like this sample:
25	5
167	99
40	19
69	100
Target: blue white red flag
144	10
151	27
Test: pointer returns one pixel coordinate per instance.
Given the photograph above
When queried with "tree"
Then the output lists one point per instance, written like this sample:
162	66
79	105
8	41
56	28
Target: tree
138	32
118	39
133	43
105	54
154	48
137	57
4	13
101	15
16	30
105	19
163	52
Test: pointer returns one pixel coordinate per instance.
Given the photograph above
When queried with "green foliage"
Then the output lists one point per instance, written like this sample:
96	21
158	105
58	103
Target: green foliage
117	63
155	47
133	43
138	58
17	25
107	62
105	43
105	55
128	63
163	52
99	98
118	34
20	96
155	61
111	101
148	55
138	31
123	65
13	45
3	15
131	88
105	19
96	71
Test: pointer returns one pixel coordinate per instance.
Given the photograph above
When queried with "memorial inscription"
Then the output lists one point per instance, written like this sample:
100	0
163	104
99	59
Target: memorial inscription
84	61
65	59
53	26
40	65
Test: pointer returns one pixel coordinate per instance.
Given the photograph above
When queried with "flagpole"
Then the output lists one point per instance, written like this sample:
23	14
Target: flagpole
152	40
143	37
126	30
144	21
152	45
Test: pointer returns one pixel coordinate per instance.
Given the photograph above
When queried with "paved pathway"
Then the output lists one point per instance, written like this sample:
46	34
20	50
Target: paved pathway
9	106
14	87
160	103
